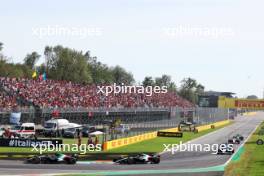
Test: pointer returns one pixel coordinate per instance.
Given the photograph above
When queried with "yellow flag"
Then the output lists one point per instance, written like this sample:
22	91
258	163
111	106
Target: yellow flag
34	75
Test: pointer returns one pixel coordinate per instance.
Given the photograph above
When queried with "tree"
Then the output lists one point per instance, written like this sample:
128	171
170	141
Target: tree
190	89
189	83
199	89
252	97
120	75
172	87
1	46
10	69
164	80
67	64
148	81
101	73
31	59
62	63
2	58
14	70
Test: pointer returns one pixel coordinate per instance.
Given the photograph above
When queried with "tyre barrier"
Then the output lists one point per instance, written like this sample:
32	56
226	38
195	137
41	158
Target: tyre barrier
260	142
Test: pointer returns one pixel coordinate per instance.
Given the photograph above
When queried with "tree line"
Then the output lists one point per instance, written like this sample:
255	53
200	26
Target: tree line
63	63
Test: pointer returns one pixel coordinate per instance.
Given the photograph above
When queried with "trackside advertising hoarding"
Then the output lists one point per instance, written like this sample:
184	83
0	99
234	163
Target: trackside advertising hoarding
28	142
169	134
224	102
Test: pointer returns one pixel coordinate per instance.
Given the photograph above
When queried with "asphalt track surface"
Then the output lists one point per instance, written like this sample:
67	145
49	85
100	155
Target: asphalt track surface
181	161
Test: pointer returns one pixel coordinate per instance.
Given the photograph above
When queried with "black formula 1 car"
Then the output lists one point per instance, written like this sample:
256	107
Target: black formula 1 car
234	141
138	159
225	149
57	158
237	139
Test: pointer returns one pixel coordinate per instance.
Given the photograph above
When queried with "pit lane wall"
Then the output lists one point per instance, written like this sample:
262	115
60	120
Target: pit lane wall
135	139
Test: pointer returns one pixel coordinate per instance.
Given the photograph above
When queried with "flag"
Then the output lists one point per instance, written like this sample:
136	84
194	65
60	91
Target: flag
40	78
44	77
34	75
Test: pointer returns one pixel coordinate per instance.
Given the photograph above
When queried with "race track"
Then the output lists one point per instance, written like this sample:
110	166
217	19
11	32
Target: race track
183	163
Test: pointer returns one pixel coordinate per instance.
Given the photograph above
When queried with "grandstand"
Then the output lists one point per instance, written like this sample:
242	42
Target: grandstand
7	101
37	100
62	94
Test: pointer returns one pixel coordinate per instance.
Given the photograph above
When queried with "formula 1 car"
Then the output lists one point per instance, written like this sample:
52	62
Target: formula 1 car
238	136
57	158
236	139
187	126
225	149
138	159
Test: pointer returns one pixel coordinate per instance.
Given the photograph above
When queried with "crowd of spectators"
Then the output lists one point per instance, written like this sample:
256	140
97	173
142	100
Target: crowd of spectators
63	94
7	101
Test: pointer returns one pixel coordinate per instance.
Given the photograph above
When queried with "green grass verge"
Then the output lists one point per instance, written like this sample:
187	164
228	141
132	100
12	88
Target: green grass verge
156	144
251	160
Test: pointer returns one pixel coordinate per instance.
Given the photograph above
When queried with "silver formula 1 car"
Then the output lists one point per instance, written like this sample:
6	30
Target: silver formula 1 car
57	158
138	159
225	149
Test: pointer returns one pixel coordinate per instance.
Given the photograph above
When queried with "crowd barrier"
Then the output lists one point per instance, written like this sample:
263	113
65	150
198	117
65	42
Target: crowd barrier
212	125
127	141
139	138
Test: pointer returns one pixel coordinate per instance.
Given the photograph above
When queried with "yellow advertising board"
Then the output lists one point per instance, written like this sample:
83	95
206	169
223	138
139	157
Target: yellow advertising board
130	140
209	126
224	102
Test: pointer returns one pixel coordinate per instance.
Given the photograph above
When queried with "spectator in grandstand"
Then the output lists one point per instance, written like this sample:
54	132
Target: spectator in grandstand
62	94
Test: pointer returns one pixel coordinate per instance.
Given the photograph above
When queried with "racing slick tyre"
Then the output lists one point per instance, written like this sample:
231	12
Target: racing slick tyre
116	159
155	161
45	160
260	142
71	161
35	160
130	161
